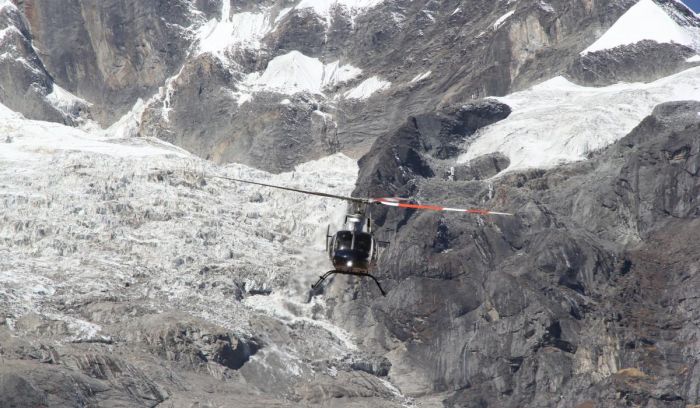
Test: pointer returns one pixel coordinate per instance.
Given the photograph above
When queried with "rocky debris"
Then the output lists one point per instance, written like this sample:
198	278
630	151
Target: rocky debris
645	61
539	308
179	338
343	387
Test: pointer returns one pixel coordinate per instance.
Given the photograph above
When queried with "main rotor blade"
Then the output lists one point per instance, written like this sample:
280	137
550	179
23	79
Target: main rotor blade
399	203
316	193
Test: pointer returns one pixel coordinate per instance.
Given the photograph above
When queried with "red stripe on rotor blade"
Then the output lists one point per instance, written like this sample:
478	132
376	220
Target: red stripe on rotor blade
392	203
421	207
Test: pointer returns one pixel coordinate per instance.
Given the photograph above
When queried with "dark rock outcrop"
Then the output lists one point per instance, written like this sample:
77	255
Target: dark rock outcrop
645	61
398	158
481	168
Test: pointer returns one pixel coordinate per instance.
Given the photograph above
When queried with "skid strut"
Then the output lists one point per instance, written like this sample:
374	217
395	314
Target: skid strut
360	274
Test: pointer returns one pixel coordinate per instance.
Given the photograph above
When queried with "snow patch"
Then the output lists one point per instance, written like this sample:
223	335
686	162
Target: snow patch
421	77
367	88
244	29
502	19
695	58
429	15
646	21
324	7
557	121
7	30
128	125
546	6
335	74
65	101
282	14
295	72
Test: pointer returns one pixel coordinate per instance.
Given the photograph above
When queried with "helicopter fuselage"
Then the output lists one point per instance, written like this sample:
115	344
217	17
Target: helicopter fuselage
353	249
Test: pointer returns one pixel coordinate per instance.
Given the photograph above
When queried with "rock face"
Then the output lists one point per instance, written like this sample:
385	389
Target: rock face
555	306
25	81
196	63
110	52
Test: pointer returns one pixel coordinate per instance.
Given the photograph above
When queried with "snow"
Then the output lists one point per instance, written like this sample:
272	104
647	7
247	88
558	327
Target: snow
64	101
695	58
546	6
166	92
282	14
29	66
335	74
557	121
429	15
323	7
84	213
32	139
295	72
367	88
7	30
128	125
7	4
645	20
244	29
421	77
502	19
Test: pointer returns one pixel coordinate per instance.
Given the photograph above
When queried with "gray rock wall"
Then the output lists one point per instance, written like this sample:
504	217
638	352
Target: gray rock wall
574	299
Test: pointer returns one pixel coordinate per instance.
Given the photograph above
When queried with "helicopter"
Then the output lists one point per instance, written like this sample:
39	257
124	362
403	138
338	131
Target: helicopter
354	250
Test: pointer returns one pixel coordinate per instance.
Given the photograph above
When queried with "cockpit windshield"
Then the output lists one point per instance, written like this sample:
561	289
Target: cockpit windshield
343	241
357	241
363	242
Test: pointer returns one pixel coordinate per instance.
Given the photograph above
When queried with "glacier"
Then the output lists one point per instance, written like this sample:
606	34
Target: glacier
89	215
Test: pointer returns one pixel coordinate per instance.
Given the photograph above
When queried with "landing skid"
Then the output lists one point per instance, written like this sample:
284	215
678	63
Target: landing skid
360	274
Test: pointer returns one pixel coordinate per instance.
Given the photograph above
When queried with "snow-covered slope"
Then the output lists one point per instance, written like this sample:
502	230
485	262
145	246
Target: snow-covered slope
87	216
557	121
646	21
